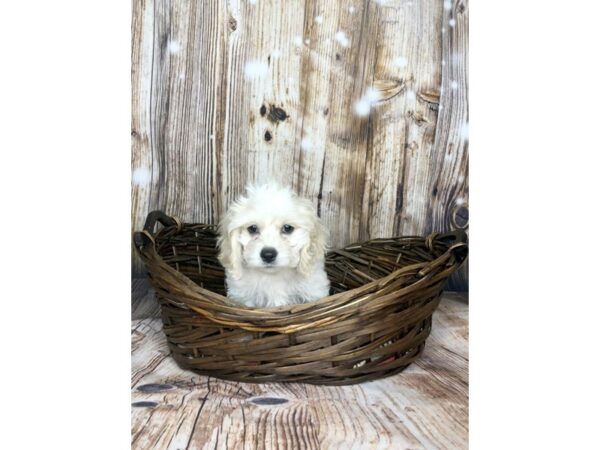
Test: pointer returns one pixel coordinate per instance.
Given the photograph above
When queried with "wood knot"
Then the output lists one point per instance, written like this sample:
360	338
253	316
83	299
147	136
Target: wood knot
388	89
268	136
268	401
153	387
232	24
144	404
431	97
276	114
419	118
459	217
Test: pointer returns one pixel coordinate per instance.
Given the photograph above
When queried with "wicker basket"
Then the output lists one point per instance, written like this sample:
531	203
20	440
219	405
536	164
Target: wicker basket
373	324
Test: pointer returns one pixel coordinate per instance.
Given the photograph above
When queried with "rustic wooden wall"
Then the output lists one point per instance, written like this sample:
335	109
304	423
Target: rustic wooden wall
231	92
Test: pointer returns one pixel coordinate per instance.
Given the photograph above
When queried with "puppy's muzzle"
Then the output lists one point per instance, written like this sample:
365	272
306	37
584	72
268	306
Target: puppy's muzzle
268	254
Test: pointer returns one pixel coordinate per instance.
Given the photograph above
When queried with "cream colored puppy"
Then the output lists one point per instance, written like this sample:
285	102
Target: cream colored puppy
272	245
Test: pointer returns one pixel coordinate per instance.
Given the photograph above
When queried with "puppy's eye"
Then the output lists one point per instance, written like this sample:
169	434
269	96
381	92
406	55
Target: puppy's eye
252	229
287	229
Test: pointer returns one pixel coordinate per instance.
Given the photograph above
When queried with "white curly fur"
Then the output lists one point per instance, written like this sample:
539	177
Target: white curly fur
297	274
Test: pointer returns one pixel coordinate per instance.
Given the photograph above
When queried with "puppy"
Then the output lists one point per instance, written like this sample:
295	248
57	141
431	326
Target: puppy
272	245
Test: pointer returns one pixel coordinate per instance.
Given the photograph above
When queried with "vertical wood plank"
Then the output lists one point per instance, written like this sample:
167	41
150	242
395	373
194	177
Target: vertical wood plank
450	186
142	38
403	126
261	110
331	150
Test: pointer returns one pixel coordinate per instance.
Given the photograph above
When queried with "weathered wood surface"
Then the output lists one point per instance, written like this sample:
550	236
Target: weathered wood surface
205	123
426	406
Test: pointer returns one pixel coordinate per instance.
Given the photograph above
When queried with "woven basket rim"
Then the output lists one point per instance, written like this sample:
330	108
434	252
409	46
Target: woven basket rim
222	310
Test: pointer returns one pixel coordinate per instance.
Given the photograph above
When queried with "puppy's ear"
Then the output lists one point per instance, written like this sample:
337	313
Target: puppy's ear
315	249
230	249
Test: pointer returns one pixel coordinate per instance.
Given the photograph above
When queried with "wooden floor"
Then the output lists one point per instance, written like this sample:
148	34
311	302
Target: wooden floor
426	406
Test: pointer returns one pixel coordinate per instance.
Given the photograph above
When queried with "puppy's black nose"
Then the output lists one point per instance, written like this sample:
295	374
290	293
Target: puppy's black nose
268	254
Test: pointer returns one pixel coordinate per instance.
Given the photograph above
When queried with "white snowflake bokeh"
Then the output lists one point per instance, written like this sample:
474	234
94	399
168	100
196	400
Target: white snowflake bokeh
464	131
341	37
174	47
362	107
141	176
255	69
400	61
306	144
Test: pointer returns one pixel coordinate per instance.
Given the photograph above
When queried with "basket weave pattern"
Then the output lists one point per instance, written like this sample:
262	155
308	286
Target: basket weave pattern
374	323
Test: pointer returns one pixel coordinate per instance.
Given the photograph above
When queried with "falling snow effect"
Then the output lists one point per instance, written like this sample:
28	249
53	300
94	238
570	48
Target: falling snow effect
464	131
400	61
298	41
352	9
174	47
454	85
341	37
306	144
307	41
255	69
460	201
362	107
372	95
452	22
141	176
275	53
410	95
253	2
319	19
447	5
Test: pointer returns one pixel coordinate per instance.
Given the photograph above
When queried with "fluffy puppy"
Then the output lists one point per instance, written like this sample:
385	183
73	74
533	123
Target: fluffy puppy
272	245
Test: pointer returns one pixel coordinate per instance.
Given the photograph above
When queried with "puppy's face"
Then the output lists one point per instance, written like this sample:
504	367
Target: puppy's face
272	243
268	230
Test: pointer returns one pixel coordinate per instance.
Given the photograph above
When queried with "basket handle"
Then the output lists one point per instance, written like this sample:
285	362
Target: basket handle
146	236
458	241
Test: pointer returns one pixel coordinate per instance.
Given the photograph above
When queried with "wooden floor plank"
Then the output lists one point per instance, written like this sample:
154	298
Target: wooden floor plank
426	406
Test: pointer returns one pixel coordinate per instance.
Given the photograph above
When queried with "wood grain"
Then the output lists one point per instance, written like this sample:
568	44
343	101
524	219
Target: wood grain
202	128
426	406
